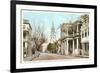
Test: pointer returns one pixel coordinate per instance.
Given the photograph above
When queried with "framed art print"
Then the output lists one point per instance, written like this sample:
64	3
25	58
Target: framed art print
52	36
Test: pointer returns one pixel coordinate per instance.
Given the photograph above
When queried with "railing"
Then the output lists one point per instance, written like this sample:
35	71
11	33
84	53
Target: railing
77	33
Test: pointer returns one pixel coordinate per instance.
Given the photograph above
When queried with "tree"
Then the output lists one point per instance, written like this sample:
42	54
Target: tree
49	47
52	47
38	37
85	18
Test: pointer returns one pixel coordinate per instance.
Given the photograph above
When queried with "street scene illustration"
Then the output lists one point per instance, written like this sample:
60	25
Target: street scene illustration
52	35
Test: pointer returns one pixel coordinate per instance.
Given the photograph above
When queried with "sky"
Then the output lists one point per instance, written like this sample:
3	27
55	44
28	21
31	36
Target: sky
47	18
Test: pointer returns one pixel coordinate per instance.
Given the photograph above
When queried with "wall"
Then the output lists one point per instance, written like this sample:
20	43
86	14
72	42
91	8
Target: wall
5	36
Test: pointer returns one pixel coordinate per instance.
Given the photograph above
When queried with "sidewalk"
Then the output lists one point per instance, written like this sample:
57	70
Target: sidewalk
82	56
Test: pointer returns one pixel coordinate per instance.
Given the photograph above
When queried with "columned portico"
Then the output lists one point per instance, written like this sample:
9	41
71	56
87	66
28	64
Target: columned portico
62	48
77	40
77	47
71	46
76	37
71	38
67	44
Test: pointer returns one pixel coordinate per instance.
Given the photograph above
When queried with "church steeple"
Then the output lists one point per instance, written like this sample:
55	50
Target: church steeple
53	36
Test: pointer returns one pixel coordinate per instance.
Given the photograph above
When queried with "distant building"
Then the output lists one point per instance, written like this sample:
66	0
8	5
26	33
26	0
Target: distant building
27	39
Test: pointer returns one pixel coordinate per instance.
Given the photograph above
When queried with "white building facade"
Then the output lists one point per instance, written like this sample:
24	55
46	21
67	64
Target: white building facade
85	35
27	39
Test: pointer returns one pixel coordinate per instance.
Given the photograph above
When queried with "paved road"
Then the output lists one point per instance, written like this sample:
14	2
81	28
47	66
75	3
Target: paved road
48	56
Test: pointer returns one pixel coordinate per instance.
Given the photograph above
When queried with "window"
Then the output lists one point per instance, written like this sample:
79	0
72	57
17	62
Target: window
23	44
82	34
88	32
85	33
24	34
23	26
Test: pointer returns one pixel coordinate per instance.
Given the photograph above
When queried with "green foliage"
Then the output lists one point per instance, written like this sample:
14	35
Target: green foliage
51	46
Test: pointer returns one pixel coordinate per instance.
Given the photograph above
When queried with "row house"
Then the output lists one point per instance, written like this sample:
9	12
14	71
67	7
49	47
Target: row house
85	34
